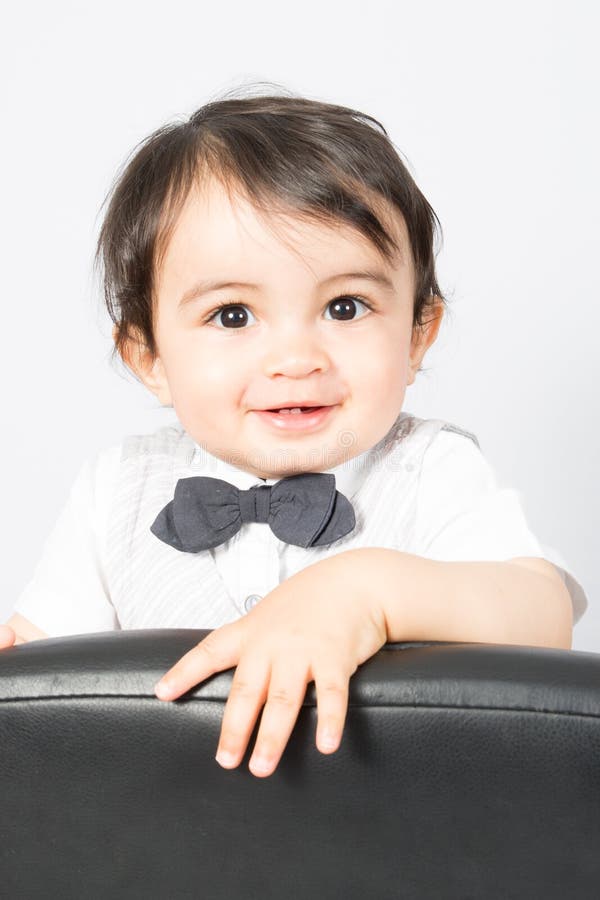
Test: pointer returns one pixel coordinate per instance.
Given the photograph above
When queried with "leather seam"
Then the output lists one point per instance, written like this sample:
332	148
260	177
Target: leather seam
511	709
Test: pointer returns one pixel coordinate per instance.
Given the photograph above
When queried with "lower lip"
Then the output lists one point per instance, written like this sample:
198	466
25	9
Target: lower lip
305	421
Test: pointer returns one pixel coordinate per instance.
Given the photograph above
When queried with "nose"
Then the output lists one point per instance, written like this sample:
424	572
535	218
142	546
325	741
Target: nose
295	352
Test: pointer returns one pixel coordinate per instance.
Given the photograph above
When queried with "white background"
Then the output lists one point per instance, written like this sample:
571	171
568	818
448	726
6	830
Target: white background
495	107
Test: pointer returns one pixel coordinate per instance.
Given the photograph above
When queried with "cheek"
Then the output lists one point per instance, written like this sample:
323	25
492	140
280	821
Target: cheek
382	363
199	375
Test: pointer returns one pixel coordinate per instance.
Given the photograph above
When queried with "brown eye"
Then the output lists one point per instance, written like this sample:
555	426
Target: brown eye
344	308
230	315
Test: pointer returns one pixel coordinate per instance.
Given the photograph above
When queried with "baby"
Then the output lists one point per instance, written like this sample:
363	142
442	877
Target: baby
269	269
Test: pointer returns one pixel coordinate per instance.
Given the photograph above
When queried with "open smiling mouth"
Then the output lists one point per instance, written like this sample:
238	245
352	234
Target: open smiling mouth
295	410
295	417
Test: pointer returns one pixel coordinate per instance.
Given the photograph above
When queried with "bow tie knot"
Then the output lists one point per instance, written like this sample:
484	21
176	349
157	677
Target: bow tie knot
255	503
305	510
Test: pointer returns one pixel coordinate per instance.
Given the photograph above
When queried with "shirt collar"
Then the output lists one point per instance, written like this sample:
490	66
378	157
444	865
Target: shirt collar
349	475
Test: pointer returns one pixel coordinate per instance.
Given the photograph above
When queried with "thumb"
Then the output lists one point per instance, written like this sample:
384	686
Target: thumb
221	649
7	636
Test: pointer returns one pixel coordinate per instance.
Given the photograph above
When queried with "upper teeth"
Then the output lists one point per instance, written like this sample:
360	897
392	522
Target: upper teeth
295	409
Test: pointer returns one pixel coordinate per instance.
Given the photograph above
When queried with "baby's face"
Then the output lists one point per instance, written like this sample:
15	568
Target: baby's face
299	333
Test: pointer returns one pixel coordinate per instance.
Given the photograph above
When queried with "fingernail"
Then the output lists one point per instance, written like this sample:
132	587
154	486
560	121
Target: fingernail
260	764
329	740
163	689
225	758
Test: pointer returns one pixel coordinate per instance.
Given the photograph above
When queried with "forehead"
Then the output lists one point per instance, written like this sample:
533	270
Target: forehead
221	232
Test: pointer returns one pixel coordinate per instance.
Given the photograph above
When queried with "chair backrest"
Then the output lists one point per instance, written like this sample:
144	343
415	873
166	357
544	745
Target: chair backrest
465	771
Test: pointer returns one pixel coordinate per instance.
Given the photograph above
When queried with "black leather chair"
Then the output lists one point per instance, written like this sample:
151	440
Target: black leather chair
465	771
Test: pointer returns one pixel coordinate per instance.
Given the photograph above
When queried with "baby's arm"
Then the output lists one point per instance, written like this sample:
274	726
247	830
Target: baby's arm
321	623
19	630
517	601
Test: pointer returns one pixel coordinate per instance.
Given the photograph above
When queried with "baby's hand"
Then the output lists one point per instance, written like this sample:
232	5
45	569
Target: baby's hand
319	625
8	637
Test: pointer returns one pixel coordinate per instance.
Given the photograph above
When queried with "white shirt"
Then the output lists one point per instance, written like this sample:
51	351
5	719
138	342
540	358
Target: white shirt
460	513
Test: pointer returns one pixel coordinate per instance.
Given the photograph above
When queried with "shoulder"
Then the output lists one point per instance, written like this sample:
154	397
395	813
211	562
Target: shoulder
94	487
101	474
170	441
452	446
430	439
454	466
96	476
449	428
446	460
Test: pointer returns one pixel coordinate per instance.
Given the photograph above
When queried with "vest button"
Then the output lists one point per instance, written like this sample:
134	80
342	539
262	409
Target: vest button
251	601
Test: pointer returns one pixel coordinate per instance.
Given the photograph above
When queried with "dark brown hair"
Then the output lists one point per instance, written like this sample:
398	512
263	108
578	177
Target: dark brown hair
283	152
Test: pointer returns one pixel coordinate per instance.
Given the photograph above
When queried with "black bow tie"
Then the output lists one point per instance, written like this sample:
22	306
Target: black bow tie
305	510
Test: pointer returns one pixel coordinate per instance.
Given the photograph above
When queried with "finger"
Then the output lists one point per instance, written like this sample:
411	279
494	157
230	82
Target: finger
8	637
219	650
246	698
287	689
331	686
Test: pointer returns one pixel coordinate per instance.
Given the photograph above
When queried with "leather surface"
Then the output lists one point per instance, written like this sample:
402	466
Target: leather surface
465	771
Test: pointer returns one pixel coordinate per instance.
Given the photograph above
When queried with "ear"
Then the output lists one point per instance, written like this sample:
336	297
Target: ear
147	368
423	337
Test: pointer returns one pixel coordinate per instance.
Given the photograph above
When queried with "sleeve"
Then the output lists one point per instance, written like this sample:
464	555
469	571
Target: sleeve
463	513
68	592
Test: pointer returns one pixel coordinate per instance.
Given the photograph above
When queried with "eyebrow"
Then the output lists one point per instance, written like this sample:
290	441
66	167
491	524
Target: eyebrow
208	286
